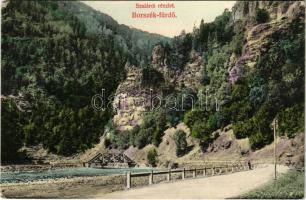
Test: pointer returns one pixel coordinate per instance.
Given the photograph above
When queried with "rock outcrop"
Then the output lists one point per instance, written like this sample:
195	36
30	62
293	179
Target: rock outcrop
130	101
260	36
276	9
192	73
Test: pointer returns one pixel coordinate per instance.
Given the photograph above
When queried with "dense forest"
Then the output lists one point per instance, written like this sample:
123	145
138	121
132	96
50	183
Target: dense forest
57	55
52	65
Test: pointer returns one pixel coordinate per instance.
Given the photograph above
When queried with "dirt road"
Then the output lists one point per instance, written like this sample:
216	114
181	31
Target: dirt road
225	186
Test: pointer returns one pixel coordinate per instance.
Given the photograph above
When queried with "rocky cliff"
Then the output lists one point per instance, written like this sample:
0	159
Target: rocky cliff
260	36
276	9
258	39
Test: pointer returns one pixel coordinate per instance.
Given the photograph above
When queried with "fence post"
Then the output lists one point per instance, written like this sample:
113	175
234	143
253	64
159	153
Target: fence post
183	174
169	175
151	178
128	180
213	170
232	168
204	171
194	173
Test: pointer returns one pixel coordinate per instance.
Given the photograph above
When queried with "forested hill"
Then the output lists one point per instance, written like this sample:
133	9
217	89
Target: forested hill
137	43
55	57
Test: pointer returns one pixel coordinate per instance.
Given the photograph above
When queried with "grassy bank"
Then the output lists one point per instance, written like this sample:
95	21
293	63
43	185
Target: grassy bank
288	186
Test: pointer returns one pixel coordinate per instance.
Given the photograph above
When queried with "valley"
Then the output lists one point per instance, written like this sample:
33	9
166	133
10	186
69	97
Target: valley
85	99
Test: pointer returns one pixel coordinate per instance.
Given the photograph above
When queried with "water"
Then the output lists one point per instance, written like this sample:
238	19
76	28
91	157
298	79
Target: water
14	177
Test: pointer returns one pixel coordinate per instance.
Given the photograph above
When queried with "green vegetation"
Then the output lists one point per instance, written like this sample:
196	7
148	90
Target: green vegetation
291	120
58	58
152	157
273	88
11	137
180	142
288	186
262	16
150	131
57	55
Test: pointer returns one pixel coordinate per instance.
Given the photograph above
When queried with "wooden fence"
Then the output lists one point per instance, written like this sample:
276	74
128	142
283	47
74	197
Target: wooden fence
200	172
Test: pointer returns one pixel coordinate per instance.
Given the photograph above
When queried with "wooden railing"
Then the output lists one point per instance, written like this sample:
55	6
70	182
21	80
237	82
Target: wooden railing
201	172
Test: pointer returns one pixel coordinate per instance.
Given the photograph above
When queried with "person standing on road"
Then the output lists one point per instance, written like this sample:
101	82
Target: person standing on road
249	165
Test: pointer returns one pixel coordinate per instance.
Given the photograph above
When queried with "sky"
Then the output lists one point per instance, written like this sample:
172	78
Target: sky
189	13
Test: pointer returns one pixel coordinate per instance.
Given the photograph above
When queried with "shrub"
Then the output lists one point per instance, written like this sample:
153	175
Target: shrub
107	142
291	120
152	157
180	142
202	131
242	129
30	134
260	138
237	43
160	126
192	116
144	137
262	16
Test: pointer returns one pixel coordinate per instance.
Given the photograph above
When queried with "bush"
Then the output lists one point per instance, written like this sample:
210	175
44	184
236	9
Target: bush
107	142
202	131
180	142
291	120
237	43
242	129
152	157
262	131
260	139
262	16
160	126
144	137
192	116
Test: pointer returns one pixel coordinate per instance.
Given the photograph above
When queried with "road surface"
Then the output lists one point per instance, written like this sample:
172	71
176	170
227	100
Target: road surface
220	187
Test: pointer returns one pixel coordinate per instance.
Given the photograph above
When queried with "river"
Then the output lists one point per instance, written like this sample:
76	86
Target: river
26	176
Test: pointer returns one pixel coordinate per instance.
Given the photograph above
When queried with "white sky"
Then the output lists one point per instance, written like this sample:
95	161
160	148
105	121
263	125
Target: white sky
188	13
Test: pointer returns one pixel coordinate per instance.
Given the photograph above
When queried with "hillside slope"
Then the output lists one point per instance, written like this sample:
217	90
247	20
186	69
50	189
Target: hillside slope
53	63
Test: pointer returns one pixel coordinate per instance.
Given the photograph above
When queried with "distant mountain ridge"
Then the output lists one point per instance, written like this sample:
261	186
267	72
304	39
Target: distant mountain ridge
137	42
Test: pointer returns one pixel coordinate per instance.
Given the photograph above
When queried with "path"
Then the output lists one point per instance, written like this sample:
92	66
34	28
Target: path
224	186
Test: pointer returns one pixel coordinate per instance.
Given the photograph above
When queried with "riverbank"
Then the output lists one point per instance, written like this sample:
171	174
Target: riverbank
68	184
77	187
108	186
214	187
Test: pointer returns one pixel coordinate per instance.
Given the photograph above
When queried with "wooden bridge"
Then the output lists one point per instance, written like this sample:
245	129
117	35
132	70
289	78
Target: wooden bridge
110	160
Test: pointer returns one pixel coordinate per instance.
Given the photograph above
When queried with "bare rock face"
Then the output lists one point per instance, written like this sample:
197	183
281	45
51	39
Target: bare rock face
221	143
160	63
259	37
192	73
130	100
158	56
276	9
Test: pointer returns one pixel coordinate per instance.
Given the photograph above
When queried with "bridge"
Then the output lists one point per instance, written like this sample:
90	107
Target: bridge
110	160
